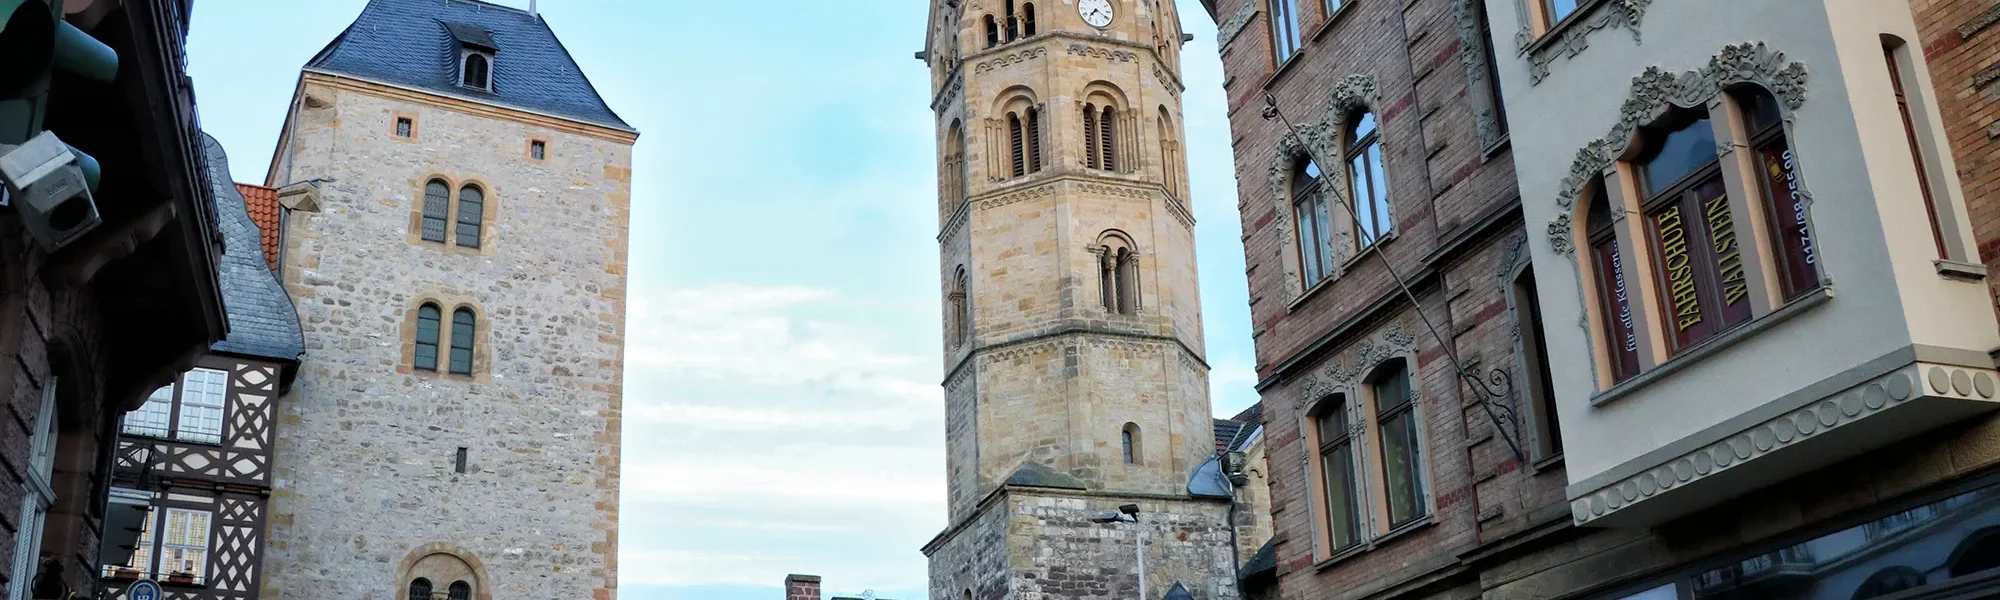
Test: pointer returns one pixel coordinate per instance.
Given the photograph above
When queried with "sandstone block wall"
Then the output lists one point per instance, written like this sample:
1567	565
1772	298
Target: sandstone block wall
368	475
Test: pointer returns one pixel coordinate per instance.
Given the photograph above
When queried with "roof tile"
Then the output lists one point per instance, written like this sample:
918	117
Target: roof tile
263	205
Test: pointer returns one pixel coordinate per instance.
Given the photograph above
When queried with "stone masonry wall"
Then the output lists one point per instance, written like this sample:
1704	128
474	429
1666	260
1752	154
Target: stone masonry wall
367	475
1059	553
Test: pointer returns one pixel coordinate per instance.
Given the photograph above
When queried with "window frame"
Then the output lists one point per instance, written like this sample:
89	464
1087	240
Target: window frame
470	337
1399	369
1535	379
176	407
441	217
1793	281
410	589
1130	440
1336	406
485	83
1283	13
1319	241
418	339
1368	149
477	224
163	542
1709	283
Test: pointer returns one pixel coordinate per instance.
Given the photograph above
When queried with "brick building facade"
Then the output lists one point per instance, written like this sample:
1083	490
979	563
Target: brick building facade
1740	460
460	272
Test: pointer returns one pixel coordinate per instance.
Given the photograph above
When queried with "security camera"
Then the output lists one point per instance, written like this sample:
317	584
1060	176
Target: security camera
48	184
1130	509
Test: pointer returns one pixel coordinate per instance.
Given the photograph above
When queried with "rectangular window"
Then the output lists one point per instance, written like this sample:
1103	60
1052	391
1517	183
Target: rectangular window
1555	11
404	127
1315	229
202	395
1700	266
1785	206
152	419
1330	6
1534	378
1402	452
184	548
1284	30
1916	148
142	551
1498	102
39	494
459	461
1336	451
538	150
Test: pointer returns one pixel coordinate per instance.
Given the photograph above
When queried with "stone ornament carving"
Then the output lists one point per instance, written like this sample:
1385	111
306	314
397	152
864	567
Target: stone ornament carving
1343	374
953	86
1227	32
1115	191
1657	91
1039	191
1355	94
1573	37
1011	58
1104	53
1472	54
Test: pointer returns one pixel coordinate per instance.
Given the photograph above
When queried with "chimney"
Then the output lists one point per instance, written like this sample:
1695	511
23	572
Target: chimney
801	587
531	9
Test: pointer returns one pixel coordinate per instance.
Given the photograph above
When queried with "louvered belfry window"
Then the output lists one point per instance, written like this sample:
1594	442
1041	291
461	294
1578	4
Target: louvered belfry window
1034	140
437	204
462	324
471	208
1090	142
1108	139
1018	145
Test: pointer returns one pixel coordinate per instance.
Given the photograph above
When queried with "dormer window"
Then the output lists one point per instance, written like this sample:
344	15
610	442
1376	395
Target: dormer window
476	71
475	55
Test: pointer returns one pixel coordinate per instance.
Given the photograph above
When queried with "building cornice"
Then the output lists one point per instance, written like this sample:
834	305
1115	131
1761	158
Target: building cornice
469	106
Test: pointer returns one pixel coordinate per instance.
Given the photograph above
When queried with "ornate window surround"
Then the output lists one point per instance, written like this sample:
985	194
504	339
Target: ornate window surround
1571	37
1351	376
1472	54
1656	92
1356	93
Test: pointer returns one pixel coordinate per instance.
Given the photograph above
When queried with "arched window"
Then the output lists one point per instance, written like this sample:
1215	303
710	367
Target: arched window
1129	439
1336	463
1128	282
1028	19
1897	54
1034	141
437	208
1615	301
1978	552
954	165
1402	451
461	590
1013	22
1169	154
1889	580
476	70
1785	206
1702	280
462	328
429	320
992	32
471	209
1314	221
1367	186
420	589
1100	137
1017	143
1118	275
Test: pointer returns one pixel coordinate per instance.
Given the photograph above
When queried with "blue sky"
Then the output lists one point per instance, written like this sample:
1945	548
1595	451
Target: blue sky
783	413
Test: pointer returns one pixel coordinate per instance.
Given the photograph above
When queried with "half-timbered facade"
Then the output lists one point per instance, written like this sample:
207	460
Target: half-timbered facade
196	458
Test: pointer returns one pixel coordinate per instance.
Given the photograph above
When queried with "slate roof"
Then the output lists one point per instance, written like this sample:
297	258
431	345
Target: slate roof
1248	422
264	211
414	43
1264	562
262	322
1225	432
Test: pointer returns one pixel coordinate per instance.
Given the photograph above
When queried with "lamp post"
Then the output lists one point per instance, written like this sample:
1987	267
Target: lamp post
1130	514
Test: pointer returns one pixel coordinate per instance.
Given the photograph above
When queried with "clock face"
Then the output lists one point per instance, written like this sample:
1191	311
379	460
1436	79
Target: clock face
1095	12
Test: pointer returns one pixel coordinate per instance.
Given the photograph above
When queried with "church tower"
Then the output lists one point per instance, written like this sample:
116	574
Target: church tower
1075	378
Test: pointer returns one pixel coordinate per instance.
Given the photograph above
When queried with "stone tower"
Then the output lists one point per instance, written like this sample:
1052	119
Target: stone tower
1075	379
455	243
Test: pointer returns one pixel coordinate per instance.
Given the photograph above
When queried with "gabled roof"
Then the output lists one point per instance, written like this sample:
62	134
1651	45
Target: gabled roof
415	43
262	322
1225	432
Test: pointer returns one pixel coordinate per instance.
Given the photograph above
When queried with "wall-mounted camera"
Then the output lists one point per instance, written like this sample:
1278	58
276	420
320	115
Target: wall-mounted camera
48	184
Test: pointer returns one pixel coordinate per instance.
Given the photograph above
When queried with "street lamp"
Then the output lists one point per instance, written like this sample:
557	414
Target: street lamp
1130	514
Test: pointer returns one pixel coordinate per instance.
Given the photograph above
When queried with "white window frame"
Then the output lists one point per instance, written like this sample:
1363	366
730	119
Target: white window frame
40	495
169	543
155	419
201	421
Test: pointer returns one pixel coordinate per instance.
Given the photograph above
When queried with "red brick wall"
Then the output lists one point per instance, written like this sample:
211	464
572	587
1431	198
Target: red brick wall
1443	185
1955	60
801	587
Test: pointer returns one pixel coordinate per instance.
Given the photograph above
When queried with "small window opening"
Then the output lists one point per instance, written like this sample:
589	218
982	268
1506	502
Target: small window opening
404	127
477	70
1028	19
539	150
1129	439
459	461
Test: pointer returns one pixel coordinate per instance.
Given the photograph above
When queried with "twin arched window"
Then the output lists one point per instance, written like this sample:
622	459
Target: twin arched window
1024	137
464	328
1395	460
438	209
1118	275
421	589
1100	137
1019	24
1697	247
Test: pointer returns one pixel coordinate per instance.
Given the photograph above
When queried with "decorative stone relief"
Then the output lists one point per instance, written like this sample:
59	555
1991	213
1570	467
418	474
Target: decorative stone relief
1343	374
1011	58
1472	54
1573	37
1104	53
1356	93
1226	34
1027	194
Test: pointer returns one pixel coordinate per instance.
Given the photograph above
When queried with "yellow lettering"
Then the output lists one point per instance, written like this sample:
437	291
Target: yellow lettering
1673	239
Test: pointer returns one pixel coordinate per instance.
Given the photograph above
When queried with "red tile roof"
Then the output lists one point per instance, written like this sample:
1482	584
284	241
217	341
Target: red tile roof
263	204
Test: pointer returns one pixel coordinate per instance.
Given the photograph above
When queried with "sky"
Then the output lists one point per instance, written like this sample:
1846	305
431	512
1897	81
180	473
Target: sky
782	404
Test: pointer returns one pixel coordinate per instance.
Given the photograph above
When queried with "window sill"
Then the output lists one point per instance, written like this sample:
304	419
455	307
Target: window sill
1545	463
1405	530
1499	144
1951	269
1339	14
1555	32
1366	251
1306	296
1714	345
1283	69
